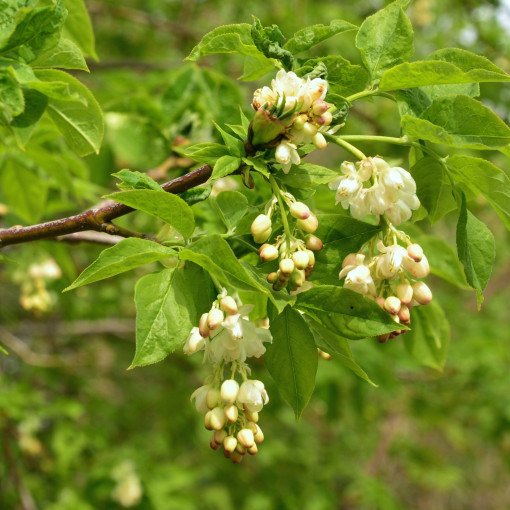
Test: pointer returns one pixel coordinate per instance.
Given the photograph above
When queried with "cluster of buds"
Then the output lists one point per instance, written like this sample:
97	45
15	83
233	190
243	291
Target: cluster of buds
291	113
231	409
389	190
391	278
295	255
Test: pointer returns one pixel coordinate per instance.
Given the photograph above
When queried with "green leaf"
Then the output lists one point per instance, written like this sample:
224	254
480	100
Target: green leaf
225	166
385	40
124	256
269	41
215	255
81	125
256	67
292	359
207	153
338	346
135	180
165	206
307	175
167	307
234	144
11	98
341	235
232	206
78	27
429	338
35	104
309	37
476	249
66	55
350	314
258	165
481	176
24	191
195	195
444	121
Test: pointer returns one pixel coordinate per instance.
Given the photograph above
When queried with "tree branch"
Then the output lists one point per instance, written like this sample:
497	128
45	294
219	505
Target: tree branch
98	218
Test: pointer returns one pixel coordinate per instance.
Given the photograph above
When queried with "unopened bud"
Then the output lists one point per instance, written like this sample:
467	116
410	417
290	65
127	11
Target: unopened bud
259	436
417	269
207	420
421	293
415	252
272	277
240	448
246	438
268	252
252	450
231	413
299	210
300	122
405	293
229	391
382	339
252	416
325	355
404	315
264	128
236	457
380	301
319	141
215	318
203	327
297	278
311	258
286	266
349	260
319	107
392	305
218	418
309	225
219	436
229	444
313	243
261	228
301	259
253	427
213	398
228	305
214	445
325	119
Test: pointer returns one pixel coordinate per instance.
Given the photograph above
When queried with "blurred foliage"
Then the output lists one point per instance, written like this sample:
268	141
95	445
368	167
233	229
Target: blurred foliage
77	429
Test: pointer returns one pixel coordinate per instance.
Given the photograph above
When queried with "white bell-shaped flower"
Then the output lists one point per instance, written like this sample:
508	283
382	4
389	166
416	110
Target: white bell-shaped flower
194	343
264	96
287	154
200	396
252	395
360	280
390	262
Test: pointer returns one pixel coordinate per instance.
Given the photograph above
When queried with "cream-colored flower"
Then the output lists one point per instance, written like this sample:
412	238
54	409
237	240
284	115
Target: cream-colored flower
252	395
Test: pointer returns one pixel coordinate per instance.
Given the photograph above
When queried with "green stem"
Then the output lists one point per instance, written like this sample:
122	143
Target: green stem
278	193
346	145
366	93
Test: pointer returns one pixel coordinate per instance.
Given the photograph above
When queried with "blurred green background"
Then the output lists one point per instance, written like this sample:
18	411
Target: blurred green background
78	431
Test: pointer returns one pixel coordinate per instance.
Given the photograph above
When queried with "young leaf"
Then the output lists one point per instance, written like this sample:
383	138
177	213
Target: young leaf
78	27
481	176
165	206
269	41
167	307
307	175
195	195
346	312
444	121
338	346
81	125
232	206
225	166
308	37
234	144
429	338
207	153
292	358
476	249
215	255
385	40
124	256
135	180
65	55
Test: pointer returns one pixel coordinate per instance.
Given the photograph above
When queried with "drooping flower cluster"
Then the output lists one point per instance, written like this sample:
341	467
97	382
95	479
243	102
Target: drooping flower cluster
376	188
290	114
295	254
231	409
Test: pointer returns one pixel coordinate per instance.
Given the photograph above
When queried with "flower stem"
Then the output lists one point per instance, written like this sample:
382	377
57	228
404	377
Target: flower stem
366	93
346	145
278	194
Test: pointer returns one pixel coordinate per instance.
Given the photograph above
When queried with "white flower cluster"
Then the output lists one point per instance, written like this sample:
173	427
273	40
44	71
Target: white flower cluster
298	104
376	188
390	278
231	409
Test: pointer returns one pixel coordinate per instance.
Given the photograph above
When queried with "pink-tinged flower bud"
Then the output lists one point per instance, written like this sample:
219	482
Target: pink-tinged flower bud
392	305
382	339
310	129
207	420
228	305
240	448
380	301
213	398
313	243
226	453
252	450
301	259
311	258
415	252
219	436
299	210
300	122
404	315
325	119
417	269
232	413
309	225
349	260
319	107
215	318
236	457
259	436
261	228
286	266
229	391
203	327
421	293
268	252
229	444
272	277
218	418
214	445
405	293
319	141
246	438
